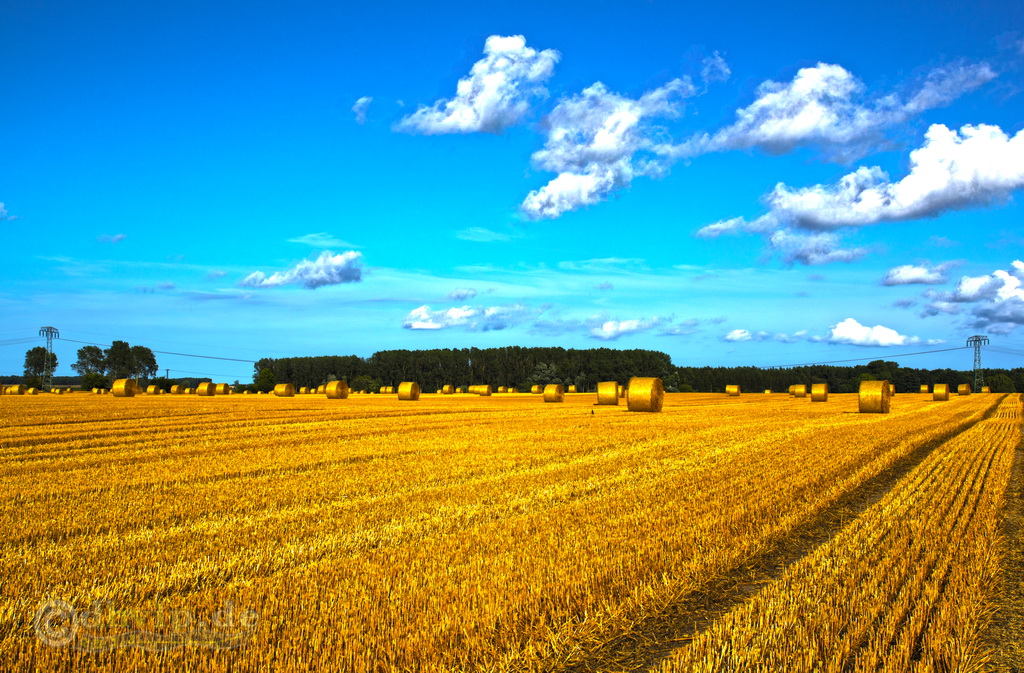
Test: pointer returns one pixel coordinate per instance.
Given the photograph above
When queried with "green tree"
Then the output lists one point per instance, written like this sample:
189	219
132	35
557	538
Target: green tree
38	360
1000	383
265	380
145	366
91	360
120	364
94	380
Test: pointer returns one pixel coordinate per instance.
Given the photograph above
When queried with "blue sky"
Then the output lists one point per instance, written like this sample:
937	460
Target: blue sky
742	184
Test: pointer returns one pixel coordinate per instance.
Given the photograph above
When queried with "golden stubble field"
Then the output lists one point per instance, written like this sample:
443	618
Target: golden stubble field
460	533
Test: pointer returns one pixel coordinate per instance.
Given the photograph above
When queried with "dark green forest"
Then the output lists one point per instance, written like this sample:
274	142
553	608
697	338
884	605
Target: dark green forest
522	367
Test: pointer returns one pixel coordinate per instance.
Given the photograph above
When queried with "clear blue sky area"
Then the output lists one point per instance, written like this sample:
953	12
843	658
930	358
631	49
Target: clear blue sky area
741	183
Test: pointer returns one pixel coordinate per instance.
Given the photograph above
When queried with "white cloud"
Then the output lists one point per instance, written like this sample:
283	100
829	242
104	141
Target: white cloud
852	332
975	167
714	69
360	108
923	274
327	269
790	338
321	240
462	294
610	330
592	140
482	235
823	105
215	275
3	214
495	96
995	301
470	318
811	249
738	335
113	240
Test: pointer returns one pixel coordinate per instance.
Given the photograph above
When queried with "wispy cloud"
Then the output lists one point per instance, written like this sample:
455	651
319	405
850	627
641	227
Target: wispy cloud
919	274
482	235
322	240
327	269
360	108
113	240
496	95
462	294
4	216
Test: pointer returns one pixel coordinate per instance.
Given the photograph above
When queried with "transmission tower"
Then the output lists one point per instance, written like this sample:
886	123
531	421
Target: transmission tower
49	333
978	341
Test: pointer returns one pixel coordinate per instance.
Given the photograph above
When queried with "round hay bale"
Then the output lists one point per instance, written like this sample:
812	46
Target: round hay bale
986	389
320	390
963	389
940	392
303	390
177	390
408	390
608	392
799	391
383	389
32	391
791	389
572	389
224	389
484	391
873	397
502	389
924	389
336	390
819	392
767	391
123	388
206	389
553	392
732	391
536	390
622	391
645	394
97	391
153	390
190	391
284	390
448	390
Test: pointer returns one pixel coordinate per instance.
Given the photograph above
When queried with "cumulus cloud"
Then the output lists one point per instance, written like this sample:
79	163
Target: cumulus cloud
482	235
470	318
327	269
923	274
107	238
995	302
462	294
496	94
825	105
610	330
738	335
853	333
321	240
977	166
593	140
360	108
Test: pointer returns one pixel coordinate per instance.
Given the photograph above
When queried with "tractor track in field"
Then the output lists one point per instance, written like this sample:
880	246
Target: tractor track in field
1004	637
656	636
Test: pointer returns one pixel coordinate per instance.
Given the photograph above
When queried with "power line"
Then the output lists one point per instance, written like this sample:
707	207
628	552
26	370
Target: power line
901	355
187	355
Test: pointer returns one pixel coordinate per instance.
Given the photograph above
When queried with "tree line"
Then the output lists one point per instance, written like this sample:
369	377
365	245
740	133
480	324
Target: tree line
521	367
96	366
